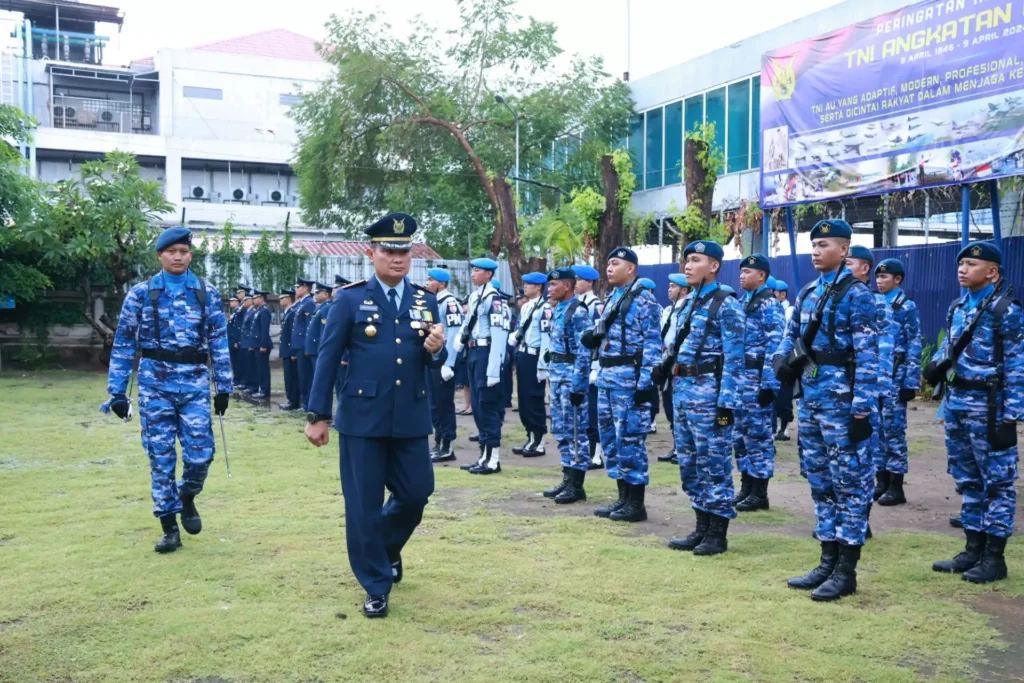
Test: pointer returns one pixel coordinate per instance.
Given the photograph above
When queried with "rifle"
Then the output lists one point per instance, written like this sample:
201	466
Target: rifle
663	370
800	360
940	371
593	337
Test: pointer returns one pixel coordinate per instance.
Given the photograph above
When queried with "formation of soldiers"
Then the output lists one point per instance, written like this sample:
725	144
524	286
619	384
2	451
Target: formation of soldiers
725	365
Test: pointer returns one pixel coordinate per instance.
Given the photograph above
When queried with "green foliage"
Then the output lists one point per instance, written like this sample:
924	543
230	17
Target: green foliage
227	260
562	233
588	204
711	157
274	264
801	211
692	224
929	350
408	123
623	165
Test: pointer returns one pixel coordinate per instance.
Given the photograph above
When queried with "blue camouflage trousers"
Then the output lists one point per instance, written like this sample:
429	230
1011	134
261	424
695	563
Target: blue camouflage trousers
567	420
876	449
984	477
704	451
839	472
754	442
894	420
623	428
164	417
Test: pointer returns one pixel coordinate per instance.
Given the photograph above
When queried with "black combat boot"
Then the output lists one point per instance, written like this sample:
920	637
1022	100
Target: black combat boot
970	556
956	521
634	509
695	538
992	566
172	538
573	492
607	510
894	494
843	580
867	530
820	574
746	485
715	541
554	491
446	452
668	457
189	515
758	498
881	484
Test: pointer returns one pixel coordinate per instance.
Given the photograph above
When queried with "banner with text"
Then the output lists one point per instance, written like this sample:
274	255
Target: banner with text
929	95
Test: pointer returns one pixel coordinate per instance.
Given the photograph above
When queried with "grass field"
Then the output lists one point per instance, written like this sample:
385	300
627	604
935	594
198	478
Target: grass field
496	589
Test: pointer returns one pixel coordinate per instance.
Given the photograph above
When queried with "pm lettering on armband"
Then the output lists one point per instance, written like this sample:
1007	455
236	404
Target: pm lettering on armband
545	325
453	320
497	320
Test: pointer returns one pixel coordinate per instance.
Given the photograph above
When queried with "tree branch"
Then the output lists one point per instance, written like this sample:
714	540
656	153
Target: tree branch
410	93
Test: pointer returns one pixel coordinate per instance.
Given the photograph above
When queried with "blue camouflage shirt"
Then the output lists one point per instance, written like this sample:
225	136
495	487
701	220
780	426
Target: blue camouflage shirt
565	339
180	317
907	374
765	323
636	332
886	332
723	341
855	316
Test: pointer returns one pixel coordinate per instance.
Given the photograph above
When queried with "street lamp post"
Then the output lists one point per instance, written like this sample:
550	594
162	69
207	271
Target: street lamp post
501	100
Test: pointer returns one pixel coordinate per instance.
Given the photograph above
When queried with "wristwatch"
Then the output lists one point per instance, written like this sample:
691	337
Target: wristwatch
312	417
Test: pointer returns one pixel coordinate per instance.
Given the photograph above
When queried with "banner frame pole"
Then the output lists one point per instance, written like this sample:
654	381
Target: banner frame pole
997	228
792	247
965	214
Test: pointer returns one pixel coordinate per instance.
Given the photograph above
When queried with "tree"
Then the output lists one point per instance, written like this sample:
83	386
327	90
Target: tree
20	275
406	124
102	224
703	160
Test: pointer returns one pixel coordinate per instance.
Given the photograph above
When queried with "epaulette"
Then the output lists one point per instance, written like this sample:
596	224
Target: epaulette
353	284
419	287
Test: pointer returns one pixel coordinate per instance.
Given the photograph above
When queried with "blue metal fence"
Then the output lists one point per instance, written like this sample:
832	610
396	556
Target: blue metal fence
930	282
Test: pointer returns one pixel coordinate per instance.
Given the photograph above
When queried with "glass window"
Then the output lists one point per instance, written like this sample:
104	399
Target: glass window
716	115
674	143
655	136
289	100
755	123
694	112
203	93
636	148
738	145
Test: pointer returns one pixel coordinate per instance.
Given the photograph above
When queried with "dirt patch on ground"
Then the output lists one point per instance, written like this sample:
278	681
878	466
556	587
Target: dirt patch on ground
1007	617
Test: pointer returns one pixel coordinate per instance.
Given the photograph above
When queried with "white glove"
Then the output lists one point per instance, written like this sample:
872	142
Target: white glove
542	375
493	381
446	373
593	376
458	344
512	340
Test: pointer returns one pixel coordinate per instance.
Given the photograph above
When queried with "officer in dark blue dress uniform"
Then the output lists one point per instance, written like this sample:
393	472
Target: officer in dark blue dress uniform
339	282
234	306
251	383
262	345
389	327
304	308
317	322
288	366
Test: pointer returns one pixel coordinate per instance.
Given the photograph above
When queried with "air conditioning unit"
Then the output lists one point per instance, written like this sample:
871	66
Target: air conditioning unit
198	192
240	195
276	196
107	116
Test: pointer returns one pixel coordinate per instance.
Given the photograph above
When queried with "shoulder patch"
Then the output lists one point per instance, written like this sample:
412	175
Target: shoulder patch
354	284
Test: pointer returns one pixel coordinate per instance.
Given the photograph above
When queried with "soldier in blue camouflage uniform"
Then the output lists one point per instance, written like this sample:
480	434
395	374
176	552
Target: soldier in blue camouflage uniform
176	321
705	361
906	380
981	363
838	367
860	263
628	339
755	445
263	344
304	308
485	336
568	363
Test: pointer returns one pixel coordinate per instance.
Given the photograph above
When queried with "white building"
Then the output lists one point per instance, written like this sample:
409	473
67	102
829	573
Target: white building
210	122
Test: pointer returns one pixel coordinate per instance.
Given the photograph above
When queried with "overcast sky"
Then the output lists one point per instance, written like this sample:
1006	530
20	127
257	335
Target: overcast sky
664	32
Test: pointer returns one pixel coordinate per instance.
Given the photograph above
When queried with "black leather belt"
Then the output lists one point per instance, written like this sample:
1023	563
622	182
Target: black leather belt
971	384
754	363
693	370
185	357
616	361
561	357
837	359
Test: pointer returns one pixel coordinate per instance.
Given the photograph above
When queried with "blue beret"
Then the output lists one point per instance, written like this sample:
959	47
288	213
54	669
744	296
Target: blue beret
892	266
394	231
707	247
339	281
172	236
771	283
647	283
831	227
563	274
535	278
586	273
288	292
781	286
496	283
303	282
758	261
439	274
862	252
986	251
678	279
624	253
484	263
727	289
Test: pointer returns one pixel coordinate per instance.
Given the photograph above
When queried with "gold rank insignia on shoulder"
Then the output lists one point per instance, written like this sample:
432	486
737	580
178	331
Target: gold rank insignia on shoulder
371	331
323	321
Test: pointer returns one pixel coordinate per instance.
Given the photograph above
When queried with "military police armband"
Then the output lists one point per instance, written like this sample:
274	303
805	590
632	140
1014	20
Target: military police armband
452	320
545	325
497	320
